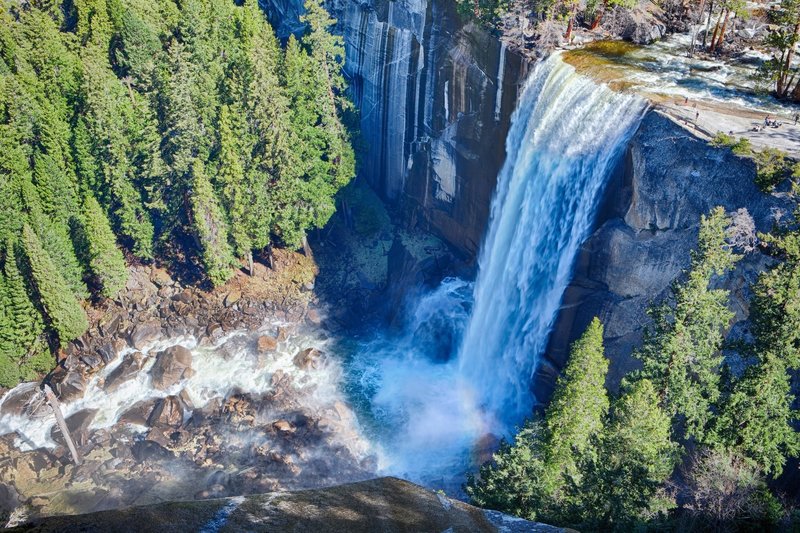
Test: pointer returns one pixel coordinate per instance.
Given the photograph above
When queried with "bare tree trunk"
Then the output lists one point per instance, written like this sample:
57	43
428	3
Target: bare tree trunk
62	424
716	31
570	25
270	258
599	17
250	262
722	31
708	22
699	21
306	247
787	66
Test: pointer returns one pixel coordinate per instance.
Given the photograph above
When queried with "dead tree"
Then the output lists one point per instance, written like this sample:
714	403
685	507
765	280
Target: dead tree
62	424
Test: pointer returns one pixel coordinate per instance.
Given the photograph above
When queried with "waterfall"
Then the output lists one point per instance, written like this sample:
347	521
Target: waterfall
436	412
566	135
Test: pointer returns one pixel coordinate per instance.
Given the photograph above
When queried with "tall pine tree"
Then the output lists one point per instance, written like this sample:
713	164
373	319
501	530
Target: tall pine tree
65	314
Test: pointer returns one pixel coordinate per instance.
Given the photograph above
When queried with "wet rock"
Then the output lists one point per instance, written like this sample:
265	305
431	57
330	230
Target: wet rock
313	317
308	358
232	297
107	352
18	401
186	399
171	366
214	491
144	334
214	332
78	426
126	370
283	333
283	426
72	387
149	450
93	360
138	414
266	344
167	412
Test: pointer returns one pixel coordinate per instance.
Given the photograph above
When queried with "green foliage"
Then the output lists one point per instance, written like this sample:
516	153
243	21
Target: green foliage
142	123
533	477
624	485
23	352
105	260
725	492
62	309
740	146
681	352
209	227
757	419
771	168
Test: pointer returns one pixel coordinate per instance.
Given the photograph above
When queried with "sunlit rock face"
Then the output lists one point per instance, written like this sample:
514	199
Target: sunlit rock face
645	237
435	97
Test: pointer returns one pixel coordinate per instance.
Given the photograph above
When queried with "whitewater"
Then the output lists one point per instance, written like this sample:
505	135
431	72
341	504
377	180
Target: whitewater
435	396
433	414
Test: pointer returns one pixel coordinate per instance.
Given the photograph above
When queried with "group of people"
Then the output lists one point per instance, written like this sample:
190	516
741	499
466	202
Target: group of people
769	123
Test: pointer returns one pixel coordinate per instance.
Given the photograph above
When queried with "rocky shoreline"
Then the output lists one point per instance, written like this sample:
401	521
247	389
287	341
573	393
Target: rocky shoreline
275	426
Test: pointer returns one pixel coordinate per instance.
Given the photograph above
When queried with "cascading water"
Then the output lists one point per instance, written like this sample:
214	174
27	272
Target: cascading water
567	134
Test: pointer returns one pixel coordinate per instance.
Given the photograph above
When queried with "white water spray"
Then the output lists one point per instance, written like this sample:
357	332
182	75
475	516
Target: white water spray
567	134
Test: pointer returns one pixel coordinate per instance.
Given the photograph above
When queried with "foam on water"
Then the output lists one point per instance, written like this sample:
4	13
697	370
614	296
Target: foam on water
231	365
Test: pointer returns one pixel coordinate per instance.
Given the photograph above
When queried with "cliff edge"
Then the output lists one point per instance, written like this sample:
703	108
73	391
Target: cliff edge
384	504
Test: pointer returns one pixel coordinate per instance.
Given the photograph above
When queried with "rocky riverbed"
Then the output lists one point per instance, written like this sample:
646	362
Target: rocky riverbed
179	393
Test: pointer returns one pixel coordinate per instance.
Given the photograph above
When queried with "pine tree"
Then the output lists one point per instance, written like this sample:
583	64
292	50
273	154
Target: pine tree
681	353
209	227
234	188
93	23
624	485
65	314
105	259
757	420
23	347
108	113
576	413
535	476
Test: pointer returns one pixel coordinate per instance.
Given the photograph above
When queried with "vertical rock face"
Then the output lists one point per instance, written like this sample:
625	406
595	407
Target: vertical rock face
435	98
645	237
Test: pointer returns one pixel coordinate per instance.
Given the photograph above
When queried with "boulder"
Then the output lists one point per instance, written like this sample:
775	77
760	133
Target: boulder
108	352
282	333
168	412
383	504
138	414
283	426
144	334
72	386
171	366
308	358
126	370
232	297
148	450
78	425
18	400
313	317
266	344
160	277
642	27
